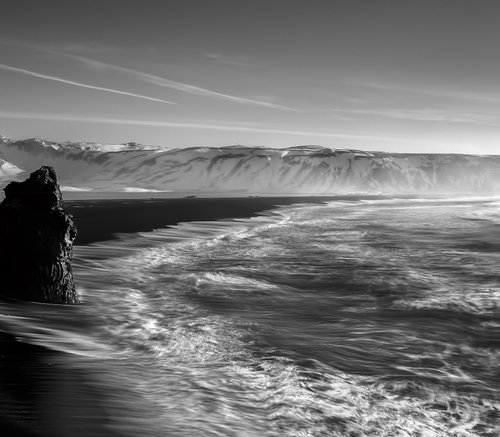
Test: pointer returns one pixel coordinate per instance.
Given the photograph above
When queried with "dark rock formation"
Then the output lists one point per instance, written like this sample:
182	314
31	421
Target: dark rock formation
36	238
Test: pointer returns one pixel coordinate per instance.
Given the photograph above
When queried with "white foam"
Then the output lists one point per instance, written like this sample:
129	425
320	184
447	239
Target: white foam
201	369
235	281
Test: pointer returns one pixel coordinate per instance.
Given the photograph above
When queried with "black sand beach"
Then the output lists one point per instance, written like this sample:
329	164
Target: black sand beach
99	219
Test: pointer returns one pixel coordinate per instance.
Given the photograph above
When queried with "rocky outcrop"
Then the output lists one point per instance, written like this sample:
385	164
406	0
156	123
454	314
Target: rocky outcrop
36	237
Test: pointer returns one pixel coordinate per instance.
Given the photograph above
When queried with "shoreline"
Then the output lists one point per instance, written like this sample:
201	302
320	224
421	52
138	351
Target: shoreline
101	219
41	392
49	392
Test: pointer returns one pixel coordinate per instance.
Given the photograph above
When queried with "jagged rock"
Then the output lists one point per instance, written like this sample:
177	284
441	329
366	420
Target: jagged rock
36	237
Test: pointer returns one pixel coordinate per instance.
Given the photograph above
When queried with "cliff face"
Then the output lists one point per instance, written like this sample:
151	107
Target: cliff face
36	237
253	170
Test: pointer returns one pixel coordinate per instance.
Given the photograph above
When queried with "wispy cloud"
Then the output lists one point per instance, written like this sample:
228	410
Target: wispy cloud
202	126
430	115
172	84
452	94
76	53
89	48
79	84
238	61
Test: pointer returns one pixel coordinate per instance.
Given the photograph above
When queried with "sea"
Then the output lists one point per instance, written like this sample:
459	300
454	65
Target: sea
348	317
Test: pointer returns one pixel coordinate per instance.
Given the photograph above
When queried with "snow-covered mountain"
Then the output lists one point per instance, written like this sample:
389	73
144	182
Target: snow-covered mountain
252	170
9	171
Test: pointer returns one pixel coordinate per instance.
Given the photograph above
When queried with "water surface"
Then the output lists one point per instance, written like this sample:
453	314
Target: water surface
355	317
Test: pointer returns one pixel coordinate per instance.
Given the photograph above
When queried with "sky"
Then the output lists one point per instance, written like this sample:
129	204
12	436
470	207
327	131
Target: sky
398	75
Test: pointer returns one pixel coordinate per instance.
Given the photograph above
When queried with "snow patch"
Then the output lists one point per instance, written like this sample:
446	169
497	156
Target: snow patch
142	190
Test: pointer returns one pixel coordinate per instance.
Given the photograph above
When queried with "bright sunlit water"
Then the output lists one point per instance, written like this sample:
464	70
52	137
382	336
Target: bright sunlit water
350	318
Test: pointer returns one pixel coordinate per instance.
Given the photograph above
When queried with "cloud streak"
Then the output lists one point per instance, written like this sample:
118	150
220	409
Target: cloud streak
172	84
79	84
203	126
228	60
430	115
452	94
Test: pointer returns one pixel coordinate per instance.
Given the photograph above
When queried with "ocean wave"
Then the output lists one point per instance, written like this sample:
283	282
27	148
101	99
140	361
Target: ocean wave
347	318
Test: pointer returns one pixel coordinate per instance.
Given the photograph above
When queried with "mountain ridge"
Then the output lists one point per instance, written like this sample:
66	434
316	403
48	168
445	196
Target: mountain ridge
303	169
